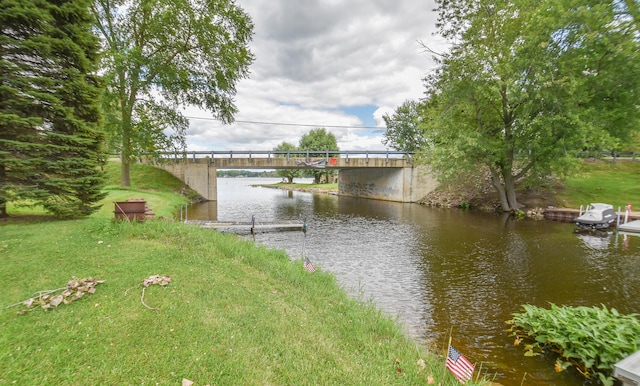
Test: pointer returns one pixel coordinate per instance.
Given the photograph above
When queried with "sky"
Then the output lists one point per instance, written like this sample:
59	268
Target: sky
337	64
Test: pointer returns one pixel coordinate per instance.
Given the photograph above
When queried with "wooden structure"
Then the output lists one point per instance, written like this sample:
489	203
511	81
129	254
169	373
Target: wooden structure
246	227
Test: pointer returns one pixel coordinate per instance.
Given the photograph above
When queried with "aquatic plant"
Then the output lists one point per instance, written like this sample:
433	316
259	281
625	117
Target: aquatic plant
590	338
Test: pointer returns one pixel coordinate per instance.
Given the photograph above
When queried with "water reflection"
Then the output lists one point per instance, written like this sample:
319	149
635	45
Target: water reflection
440	270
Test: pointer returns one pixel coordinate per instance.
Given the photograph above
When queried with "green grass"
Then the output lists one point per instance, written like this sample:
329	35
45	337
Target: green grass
234	314
328	187
615	183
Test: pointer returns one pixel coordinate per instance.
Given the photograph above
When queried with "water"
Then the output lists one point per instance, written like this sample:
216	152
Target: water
442	270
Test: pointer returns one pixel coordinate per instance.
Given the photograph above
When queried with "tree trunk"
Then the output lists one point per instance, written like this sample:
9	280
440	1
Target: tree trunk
510	188
3	209
506	189
127	100
496	181
125	177
3	202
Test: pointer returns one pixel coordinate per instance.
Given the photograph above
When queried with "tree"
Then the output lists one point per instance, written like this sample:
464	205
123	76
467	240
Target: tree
403	128
529	84
319	139
159	55
289	174
50	147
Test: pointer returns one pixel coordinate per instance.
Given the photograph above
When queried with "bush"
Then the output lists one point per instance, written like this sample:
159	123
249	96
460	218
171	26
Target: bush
590	338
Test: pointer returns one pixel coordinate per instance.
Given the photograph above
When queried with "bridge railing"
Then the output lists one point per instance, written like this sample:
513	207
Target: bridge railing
308	155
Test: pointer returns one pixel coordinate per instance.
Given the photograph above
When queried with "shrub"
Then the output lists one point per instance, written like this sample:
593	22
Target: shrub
590	338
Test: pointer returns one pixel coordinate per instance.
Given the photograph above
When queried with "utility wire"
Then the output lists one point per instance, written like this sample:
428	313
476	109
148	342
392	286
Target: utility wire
295	124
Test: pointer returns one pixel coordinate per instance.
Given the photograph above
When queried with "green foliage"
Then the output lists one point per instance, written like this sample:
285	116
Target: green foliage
289	174
590	338
403	128
529	84
159	55
319	139
50	147
246	173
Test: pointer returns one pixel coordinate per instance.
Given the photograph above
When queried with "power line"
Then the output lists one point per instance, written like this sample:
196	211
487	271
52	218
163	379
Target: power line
295	124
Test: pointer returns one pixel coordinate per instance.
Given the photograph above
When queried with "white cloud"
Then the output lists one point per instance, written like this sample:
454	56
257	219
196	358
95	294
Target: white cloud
316	57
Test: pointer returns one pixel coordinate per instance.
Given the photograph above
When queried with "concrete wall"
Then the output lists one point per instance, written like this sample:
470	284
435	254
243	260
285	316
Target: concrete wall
200	177
403	184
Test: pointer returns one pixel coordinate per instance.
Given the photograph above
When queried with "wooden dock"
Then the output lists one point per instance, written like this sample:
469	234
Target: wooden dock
567	214
244	227
628	370
561	214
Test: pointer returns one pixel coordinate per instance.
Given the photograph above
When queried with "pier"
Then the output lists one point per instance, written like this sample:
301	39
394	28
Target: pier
244	227
568	214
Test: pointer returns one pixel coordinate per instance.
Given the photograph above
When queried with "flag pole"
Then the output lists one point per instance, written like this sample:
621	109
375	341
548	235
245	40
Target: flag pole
446	355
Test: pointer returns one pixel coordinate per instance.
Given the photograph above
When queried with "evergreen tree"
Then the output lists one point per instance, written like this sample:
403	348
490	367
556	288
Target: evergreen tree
50	147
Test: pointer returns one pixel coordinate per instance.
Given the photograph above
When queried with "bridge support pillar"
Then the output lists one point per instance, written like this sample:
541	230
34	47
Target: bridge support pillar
199	176
408	184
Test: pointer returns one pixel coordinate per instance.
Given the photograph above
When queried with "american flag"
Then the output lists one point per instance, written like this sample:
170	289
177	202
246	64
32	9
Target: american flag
459	366
308	266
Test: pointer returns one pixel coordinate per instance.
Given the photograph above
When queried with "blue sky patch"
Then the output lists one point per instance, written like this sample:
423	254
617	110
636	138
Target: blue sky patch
364	112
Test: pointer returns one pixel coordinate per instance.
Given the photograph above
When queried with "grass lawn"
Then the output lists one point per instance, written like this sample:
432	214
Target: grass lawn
615	183
234	313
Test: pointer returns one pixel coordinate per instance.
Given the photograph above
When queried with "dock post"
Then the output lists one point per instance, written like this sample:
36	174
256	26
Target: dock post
253	224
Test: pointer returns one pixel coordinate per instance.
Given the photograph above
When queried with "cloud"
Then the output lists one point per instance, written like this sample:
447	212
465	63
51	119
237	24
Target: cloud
325	63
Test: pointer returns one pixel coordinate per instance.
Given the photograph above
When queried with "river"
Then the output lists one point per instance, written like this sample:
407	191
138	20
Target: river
446	270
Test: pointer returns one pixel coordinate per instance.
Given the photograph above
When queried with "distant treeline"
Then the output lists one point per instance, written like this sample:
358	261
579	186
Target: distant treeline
246	173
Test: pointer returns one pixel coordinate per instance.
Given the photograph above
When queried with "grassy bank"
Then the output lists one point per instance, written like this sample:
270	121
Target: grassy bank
324	188
233	314
615	183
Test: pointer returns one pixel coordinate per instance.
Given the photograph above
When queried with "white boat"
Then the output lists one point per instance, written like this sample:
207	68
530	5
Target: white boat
631	226
597	216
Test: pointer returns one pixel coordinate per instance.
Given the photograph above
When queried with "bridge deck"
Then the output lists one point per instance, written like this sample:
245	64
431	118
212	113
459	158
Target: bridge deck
245	226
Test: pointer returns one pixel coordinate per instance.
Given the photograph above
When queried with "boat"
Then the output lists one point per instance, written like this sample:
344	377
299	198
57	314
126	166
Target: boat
597	216
631	226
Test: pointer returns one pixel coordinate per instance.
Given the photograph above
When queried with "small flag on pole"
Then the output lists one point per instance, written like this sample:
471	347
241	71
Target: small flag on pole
308	266
459	366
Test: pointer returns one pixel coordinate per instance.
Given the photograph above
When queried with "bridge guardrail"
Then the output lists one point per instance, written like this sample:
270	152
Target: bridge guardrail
268	154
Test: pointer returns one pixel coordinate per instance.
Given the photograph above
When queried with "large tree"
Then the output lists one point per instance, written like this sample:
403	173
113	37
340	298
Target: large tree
50	148
319	139
403	128
528	84
159	55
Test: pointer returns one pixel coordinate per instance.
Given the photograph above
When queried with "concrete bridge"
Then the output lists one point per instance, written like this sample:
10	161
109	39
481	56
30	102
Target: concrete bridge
381	175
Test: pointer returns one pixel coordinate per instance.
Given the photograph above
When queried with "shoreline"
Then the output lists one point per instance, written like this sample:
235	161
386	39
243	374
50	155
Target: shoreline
549	213
314	189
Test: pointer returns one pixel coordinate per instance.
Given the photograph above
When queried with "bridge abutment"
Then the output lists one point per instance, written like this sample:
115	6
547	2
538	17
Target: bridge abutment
199	176
408	184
